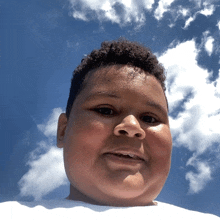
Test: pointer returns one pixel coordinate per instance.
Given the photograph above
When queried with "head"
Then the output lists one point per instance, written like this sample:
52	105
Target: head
115	133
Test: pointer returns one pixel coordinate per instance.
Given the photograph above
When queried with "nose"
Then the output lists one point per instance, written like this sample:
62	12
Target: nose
129	127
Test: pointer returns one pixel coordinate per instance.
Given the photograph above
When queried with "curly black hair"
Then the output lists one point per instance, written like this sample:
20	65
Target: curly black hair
121	51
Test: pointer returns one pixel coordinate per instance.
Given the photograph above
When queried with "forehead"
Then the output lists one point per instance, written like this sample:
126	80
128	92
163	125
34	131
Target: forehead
107	74
122	81
117	77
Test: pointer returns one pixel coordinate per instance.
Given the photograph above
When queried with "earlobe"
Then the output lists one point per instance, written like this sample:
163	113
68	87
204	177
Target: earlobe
61	129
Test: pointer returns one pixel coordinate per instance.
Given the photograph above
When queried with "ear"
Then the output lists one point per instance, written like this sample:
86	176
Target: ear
61	129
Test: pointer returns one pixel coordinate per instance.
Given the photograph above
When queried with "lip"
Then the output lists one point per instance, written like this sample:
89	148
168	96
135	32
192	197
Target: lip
136	156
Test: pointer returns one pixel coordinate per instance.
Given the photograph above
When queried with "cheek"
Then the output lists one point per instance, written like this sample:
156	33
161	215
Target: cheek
160	137
85	140
87	134
160	144
91	133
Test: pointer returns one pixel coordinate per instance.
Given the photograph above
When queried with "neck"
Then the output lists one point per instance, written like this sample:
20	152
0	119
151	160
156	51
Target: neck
76	195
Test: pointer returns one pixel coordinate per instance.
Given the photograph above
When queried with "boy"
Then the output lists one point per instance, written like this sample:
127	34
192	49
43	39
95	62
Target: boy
116	140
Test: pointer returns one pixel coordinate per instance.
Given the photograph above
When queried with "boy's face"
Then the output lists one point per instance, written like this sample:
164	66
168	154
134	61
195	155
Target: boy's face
117	141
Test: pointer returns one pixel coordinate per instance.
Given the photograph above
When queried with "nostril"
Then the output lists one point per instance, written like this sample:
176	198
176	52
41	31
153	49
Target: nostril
123	132
138	135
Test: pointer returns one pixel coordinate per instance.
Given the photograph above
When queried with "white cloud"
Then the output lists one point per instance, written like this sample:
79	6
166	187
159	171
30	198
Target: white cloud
194	106
189	21
209	45
184	12
162	8
188	12
50	127
125	12
218	25
197	181
208	42
206	8
121	12
46	171
80	15
45	174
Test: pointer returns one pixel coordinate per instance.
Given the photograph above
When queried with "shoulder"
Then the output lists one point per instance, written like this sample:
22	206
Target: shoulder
34	210
182	213
51	209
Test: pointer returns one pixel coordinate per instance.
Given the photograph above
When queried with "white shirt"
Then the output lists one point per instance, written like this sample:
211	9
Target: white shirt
68	209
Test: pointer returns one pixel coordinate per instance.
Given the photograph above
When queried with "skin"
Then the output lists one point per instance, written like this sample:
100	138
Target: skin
121	110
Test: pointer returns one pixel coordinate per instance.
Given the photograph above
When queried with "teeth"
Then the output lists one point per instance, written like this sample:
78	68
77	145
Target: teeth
130	155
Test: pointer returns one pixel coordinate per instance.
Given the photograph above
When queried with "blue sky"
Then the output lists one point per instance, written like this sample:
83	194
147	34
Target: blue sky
42	42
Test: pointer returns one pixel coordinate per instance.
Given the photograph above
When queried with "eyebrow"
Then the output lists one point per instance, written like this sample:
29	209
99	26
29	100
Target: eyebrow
158	107
113	95
102	93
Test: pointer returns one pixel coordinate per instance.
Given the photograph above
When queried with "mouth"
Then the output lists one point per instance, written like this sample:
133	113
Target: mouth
126	156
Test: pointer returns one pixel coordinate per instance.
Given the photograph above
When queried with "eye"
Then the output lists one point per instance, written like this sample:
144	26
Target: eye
149	119
105	111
